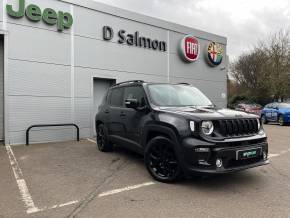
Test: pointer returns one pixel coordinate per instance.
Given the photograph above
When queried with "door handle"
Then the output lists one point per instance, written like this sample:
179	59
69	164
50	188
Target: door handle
122	114
106	111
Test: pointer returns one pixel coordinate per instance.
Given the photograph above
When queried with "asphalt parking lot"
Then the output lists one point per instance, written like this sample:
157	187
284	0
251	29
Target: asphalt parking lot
73	179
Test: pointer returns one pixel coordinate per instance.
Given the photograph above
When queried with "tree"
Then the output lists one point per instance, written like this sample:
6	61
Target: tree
249	71
279	66
264	72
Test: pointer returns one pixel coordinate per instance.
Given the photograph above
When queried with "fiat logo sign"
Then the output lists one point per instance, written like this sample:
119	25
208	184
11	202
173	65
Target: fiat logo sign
189	49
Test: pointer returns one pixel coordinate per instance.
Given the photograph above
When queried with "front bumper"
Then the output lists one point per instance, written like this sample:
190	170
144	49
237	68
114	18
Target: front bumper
200	156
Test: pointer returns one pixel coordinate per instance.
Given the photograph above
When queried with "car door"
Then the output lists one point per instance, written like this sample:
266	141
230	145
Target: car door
267	111
116	126
275	112
135	118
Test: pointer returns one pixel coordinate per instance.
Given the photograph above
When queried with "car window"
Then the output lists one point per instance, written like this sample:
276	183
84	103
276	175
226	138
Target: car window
241	107
274	105
268	106
135	92
284	105
116	97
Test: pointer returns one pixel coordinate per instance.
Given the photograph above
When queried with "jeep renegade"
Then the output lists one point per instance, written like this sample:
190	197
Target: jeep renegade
179	130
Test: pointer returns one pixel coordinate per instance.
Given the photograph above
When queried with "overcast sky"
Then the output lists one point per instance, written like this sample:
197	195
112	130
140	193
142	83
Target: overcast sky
243	22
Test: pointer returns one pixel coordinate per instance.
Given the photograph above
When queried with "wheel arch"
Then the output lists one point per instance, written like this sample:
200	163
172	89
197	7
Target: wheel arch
153	130
280	115
98	122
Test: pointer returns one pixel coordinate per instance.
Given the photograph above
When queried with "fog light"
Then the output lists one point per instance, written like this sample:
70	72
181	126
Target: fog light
219	163
265	156
203	162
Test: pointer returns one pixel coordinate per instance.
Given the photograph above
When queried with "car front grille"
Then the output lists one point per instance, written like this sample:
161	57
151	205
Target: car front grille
236	127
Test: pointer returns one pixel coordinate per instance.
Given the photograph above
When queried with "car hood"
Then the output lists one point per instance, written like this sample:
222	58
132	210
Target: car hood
207	113
284	110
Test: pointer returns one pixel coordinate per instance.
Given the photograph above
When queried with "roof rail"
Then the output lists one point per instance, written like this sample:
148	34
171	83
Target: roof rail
128	82
184	84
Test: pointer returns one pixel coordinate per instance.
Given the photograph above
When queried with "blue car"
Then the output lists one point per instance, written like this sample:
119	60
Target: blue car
276	112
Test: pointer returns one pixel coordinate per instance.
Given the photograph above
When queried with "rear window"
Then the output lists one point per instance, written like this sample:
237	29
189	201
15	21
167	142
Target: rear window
116	97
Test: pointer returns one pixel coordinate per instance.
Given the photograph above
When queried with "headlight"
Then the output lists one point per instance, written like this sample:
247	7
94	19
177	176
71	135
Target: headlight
207	127
192	126
259	124
260	129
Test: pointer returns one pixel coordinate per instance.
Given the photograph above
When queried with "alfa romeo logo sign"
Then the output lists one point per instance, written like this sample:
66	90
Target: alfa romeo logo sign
214	53
189	48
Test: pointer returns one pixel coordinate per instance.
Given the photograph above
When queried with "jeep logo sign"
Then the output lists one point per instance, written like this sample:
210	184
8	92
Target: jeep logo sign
189	48
63	20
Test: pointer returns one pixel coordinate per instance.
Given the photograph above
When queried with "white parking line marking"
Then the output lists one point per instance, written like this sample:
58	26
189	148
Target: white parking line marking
91	140
68	203
128	188
54	207
22	186
273	155
27	198
107	193
279	154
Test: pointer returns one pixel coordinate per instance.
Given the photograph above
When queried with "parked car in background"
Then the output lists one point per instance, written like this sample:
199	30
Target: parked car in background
276	112
249	108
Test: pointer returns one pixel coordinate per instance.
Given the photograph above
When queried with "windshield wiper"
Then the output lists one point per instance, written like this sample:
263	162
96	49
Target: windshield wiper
211	106
206	106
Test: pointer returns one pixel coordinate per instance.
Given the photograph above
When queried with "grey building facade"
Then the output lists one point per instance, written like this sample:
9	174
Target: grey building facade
56	72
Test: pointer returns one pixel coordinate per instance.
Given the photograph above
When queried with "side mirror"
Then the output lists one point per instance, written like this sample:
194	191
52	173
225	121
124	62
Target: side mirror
131	103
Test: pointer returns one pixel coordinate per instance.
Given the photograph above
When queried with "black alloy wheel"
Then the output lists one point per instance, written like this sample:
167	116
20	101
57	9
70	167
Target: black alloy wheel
161	160
102	140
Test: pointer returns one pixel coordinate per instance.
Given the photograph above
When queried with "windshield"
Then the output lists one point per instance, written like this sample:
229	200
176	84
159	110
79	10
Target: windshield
167	95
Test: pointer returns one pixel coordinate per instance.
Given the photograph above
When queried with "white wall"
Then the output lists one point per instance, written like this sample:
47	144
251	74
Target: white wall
51	73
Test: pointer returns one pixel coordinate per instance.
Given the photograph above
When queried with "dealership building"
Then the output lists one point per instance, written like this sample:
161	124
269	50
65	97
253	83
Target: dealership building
58	58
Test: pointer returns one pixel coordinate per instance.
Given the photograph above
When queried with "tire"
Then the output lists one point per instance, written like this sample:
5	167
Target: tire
161	160
103	143
264	119
281	120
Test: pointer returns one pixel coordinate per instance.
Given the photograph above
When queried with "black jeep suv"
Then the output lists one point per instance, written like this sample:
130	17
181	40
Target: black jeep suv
179	130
